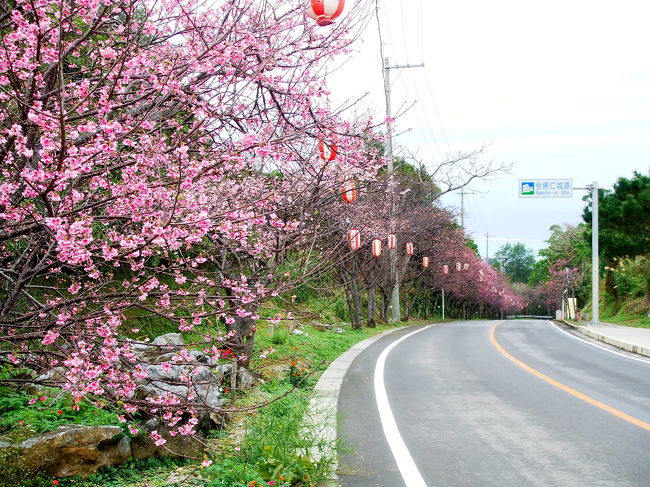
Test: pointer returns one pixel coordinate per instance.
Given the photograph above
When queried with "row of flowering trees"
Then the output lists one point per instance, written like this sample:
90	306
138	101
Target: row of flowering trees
405	205
158	160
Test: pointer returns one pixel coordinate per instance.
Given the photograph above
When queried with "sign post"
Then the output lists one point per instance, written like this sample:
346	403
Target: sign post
563	188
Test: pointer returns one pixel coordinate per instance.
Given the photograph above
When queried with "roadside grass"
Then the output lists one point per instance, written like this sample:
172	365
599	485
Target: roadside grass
632	312
626	319
274	447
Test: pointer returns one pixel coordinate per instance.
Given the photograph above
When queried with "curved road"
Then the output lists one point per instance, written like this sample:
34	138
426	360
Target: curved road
518	403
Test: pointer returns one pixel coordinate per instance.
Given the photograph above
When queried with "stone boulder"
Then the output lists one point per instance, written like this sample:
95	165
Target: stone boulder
163	345
204	392
142	446
68	450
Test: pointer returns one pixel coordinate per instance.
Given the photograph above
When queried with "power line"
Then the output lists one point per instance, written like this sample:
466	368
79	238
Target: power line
435	107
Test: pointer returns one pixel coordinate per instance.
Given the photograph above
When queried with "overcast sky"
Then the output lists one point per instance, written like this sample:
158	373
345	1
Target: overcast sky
561	89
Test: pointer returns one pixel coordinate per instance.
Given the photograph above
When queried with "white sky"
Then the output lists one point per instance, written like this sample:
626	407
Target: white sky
559	88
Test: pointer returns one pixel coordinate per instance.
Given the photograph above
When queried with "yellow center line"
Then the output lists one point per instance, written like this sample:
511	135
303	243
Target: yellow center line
559	385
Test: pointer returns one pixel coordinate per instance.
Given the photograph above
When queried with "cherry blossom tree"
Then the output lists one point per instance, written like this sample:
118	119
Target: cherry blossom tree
158	160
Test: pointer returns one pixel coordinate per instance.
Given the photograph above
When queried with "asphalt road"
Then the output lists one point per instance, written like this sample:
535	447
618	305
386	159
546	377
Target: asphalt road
532	406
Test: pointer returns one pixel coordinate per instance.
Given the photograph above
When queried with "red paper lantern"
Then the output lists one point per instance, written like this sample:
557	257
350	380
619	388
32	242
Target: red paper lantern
354	239
392	241
325	11
376	248
349	191
425	262
457	266
328	151
409	248
445	269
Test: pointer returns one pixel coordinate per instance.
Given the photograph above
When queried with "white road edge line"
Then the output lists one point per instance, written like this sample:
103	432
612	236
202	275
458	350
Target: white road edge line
407	468
647	362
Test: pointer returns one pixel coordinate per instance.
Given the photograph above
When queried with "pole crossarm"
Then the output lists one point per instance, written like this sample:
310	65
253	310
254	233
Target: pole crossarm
403	66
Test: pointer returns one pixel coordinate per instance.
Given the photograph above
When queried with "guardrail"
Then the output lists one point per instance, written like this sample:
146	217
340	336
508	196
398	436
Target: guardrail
537	317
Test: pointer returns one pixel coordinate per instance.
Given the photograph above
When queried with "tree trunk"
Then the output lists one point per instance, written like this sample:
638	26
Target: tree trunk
385	302
244	339
371	308
356	304
348	301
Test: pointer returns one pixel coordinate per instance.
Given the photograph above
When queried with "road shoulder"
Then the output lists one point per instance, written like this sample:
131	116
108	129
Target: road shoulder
635	340
322	413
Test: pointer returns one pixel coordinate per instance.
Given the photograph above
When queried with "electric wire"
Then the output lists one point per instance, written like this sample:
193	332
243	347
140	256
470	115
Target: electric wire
423	133
428	123
401	10
435	107
428	145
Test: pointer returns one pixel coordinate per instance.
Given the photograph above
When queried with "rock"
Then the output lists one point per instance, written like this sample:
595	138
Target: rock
300	332
204	390
49	379
161	346
70	450
170	339
339	330
321	326
143	446
245	378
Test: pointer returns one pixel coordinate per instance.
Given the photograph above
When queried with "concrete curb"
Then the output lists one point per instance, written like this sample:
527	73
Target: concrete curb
321	413
590	332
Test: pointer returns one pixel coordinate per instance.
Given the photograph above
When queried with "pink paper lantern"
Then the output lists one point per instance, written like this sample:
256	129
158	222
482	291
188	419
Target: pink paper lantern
349	191
392	241
328	150
376	248
354	239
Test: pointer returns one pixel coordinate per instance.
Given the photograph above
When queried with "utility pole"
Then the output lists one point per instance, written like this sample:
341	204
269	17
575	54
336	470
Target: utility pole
462	208
487	243
595	293
393	255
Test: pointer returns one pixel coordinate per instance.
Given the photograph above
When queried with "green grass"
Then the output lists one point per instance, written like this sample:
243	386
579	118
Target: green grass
274	446
274	449
621	317
152	472
630	312
20	420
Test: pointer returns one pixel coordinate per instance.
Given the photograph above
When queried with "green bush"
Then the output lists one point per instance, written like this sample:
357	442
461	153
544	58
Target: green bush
279	337
632	277
297	375
340	309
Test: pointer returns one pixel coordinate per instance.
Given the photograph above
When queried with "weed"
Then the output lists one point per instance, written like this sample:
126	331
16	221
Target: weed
297	374
274	450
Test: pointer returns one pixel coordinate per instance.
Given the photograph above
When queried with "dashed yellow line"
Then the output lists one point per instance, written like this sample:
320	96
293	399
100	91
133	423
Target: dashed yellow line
559	385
